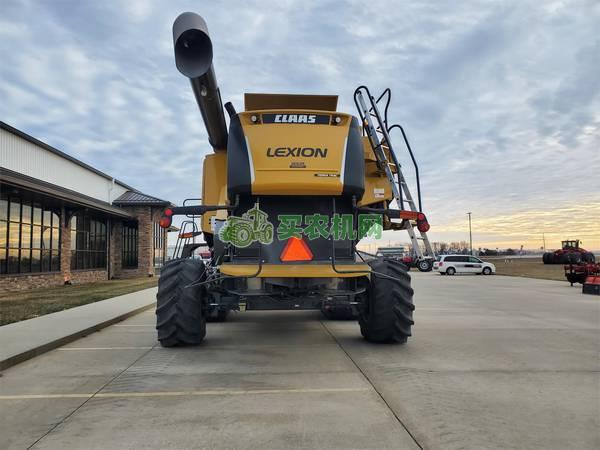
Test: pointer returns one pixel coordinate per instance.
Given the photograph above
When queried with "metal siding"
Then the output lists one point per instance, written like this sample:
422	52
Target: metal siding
21	156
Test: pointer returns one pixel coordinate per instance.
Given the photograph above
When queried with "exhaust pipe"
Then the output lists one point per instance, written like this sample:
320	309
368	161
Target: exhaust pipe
193	58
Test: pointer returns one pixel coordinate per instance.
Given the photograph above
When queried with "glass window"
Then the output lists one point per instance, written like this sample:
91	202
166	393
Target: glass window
13	235
35	261
25	236
130	245
3	232
24	233
3	207
26	213
45	260
2	260
46	237
47	217
55	260
13	260
37	214
36	237
15	210
88	242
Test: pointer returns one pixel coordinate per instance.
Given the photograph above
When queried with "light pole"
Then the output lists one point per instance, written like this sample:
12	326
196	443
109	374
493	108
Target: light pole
470	236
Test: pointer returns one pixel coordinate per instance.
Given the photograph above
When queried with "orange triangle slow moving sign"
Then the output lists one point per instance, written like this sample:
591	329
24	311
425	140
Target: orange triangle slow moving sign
296	250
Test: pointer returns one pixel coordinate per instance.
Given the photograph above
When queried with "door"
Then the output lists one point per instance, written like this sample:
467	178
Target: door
474	265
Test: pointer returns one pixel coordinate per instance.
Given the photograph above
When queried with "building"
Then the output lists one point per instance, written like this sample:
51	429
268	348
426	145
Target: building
62	221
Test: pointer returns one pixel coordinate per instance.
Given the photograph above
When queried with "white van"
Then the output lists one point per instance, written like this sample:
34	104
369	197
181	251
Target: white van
451	264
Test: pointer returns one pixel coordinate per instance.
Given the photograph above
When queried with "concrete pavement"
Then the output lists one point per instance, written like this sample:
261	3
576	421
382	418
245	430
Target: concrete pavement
495	362
23	340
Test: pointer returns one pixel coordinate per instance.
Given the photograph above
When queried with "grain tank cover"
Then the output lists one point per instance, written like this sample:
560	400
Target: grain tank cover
256	102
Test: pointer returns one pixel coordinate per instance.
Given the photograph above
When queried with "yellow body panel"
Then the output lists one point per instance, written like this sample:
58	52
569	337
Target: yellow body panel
297	175
294	270
377	186
214	186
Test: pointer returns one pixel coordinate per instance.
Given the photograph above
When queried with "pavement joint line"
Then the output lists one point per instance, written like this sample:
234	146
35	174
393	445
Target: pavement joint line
212	392
132	325
68	416
72	349
368	380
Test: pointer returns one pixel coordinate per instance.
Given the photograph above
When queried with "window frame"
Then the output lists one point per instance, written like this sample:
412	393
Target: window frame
28	231
89	242
130	244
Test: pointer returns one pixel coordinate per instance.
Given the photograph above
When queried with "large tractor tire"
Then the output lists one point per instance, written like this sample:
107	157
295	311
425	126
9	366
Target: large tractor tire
180	310
387	313
588	257
548	258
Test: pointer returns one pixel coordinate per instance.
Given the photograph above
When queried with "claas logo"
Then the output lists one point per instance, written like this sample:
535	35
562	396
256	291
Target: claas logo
295	118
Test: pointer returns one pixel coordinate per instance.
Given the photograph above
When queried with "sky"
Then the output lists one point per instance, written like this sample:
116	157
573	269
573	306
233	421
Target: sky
500	99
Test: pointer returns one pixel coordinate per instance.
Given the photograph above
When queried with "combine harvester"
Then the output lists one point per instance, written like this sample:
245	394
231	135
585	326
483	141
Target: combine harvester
283	197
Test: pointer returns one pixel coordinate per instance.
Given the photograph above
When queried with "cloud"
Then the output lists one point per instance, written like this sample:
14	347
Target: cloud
500	100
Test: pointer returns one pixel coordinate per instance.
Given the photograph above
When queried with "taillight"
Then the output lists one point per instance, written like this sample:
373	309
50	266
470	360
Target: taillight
422	223
165	222
296	250
440	264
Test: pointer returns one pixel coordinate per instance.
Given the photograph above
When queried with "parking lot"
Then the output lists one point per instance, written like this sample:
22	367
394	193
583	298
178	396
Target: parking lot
494	362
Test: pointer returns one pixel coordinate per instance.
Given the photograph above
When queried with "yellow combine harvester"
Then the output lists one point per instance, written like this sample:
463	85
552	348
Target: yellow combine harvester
292	186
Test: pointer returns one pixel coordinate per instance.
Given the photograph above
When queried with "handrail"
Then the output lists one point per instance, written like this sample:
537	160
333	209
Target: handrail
412	156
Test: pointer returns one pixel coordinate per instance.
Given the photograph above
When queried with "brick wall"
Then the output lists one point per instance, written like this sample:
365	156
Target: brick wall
116	248
88	276
22	282
30	281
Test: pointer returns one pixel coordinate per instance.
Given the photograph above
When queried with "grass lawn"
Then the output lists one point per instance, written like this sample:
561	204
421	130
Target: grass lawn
528	267
17	306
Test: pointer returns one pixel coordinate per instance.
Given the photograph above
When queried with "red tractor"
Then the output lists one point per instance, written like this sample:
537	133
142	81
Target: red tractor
570	253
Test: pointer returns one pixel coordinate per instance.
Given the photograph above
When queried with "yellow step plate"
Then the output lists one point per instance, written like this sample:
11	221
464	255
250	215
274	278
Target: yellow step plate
295	270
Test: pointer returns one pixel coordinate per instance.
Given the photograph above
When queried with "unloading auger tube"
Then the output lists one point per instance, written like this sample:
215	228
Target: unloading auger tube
193	58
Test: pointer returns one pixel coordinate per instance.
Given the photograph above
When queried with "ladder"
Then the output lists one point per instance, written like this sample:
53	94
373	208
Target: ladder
377	130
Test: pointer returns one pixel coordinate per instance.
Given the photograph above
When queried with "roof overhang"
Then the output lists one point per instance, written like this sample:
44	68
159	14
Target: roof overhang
67	195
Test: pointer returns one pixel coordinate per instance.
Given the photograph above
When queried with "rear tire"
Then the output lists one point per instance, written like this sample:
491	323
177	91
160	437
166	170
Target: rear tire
425	265
180	318
387	315
450	271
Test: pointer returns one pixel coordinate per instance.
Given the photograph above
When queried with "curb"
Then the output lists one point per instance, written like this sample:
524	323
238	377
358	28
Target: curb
24	356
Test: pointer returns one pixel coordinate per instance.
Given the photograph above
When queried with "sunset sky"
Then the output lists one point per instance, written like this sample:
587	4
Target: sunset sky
501	100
